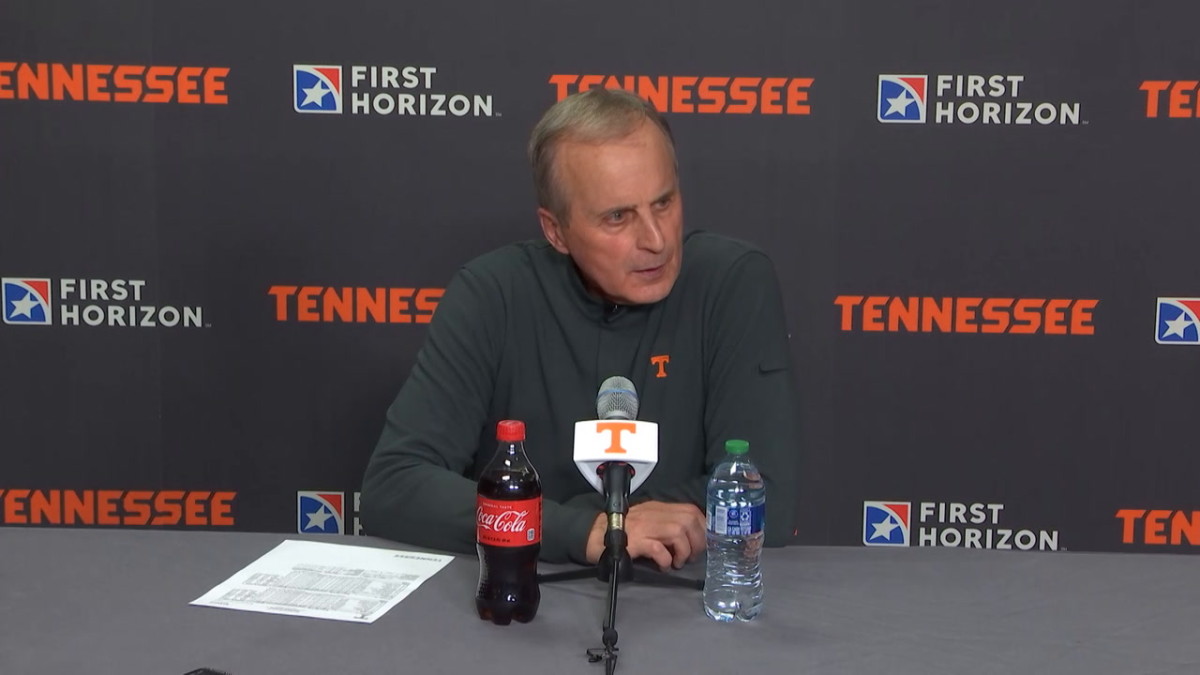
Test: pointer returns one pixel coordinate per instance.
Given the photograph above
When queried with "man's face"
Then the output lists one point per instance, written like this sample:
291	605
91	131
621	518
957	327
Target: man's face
624	221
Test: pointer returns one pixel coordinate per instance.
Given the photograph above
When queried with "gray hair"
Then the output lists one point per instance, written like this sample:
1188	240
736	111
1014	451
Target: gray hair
593	116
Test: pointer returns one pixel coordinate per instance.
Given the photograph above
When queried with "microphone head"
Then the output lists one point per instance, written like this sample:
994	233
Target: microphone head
617	399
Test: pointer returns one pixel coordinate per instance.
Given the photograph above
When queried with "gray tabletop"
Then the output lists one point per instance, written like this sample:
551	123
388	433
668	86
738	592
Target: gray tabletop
98	602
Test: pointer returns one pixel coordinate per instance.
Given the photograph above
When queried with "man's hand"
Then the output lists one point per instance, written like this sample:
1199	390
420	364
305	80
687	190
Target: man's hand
668	534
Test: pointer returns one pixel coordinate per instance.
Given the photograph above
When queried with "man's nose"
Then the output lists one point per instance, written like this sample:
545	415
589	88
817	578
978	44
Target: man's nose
650	235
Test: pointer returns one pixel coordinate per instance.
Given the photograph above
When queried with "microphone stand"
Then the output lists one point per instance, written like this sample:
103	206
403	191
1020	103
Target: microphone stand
615	565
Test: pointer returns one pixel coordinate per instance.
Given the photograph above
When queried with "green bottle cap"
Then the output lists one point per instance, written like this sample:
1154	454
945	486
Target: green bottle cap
737	447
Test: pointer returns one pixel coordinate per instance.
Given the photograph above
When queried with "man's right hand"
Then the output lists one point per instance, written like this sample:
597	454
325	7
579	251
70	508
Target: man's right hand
669	534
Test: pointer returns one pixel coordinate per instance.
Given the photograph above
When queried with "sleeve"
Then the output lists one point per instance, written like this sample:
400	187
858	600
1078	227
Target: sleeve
417	487
750	392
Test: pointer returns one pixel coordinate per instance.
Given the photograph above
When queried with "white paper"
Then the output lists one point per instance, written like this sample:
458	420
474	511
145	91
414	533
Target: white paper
325	581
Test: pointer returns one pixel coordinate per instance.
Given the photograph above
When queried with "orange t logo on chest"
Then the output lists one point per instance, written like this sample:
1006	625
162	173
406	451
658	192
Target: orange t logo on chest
661	361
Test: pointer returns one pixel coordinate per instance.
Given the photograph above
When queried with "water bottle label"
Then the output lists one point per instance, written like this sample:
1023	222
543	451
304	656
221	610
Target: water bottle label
501	523
735	521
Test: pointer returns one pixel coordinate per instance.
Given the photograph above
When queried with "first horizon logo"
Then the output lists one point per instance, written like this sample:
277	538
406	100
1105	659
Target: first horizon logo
966	99
406	91
948	524
30	301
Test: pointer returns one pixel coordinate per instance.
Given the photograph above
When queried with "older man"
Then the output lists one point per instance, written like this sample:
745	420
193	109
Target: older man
530	331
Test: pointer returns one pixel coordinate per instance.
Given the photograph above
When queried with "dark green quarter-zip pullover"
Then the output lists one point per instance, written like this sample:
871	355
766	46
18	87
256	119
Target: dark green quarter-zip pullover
517	336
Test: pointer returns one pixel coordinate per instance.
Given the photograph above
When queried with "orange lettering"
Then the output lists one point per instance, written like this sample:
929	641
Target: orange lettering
964	313
427	302
214	86
627	83
661	361
847	303
771	95
562	85
1181	96
744	93
106	507
14	503
1025	319
306	304
339	303
96	80
712	95
1153	88
6	69
995	321
1128	518
1081	317
615	429
194	510
65	83
681	91
189	87
1056	316
399	305
1156	525
872	314
370	301
901	313
281	293
160	88
222	508
798	95
38	83
167	505
137	505
657	92
590	82
80	508
936	311
46	507
127	88
1182	527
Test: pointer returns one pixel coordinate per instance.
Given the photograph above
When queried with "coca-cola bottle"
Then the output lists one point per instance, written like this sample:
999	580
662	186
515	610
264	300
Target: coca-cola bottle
508	530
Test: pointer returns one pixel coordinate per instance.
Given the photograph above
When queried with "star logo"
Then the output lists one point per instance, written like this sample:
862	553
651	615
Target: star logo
1177	321
315	94
884	529
320	513
1175	326
25	306
899	104
317	89
317	519
886	523
901	98
26	302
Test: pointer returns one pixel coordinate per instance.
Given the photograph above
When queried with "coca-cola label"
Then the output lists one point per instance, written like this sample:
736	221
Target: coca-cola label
500	523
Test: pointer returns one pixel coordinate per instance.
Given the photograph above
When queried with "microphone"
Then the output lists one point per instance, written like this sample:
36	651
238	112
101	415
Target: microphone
616	453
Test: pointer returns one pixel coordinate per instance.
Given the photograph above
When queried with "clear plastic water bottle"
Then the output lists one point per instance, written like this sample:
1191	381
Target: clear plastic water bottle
737	498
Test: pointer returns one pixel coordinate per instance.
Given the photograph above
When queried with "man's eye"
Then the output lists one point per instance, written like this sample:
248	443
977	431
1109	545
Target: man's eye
662	203
616	217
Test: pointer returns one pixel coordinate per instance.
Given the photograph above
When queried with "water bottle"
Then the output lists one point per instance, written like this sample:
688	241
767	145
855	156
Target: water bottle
737	499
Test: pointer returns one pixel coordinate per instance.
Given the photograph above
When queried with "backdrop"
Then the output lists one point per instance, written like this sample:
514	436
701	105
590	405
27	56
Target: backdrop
227	225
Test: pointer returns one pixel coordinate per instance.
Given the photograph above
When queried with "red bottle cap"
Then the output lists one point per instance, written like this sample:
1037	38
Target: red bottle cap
510	430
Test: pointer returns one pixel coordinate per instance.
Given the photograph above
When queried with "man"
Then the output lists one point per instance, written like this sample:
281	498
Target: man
530	331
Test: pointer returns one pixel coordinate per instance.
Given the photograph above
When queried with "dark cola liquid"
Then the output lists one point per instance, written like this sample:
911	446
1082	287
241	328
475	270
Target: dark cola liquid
508	587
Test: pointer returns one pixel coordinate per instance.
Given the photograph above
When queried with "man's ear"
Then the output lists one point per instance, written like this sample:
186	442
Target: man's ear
552	230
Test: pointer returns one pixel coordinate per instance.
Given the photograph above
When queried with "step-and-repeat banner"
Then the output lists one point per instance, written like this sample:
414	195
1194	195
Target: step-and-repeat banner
226	228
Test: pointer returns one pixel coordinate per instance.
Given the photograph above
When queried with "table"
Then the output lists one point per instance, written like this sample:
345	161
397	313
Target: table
115	601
